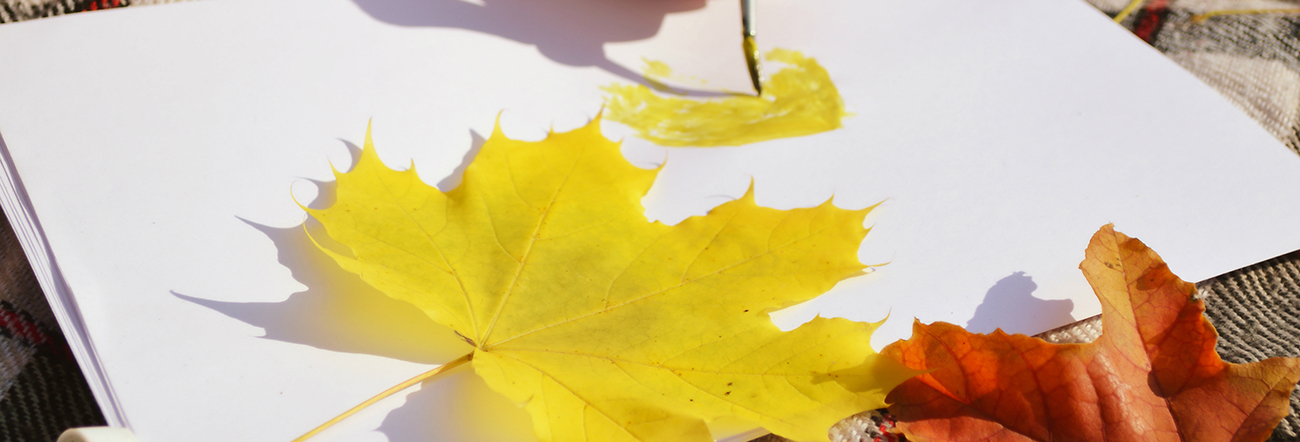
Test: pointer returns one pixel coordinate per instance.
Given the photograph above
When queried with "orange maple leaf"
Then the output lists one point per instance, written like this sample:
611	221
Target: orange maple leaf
1153	375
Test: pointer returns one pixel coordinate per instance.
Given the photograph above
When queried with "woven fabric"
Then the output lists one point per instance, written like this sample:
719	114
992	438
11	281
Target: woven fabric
1252	60
19	10
1257	313
42	391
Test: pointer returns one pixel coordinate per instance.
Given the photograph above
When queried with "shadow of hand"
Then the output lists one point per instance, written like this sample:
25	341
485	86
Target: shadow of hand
1011	304
570	32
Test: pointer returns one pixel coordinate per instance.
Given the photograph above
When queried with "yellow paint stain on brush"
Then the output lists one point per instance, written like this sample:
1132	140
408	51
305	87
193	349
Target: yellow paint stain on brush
798	100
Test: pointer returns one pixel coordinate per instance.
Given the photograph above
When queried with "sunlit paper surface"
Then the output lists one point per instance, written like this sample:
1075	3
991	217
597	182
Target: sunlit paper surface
159	147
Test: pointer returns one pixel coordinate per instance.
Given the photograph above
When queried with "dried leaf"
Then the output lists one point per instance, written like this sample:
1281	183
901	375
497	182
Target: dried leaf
609	327
1153	375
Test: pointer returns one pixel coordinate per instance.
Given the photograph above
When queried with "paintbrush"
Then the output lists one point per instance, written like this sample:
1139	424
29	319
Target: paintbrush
749	46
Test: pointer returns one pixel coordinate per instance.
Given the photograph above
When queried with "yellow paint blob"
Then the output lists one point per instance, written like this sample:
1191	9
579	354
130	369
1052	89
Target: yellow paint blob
655	68
798	100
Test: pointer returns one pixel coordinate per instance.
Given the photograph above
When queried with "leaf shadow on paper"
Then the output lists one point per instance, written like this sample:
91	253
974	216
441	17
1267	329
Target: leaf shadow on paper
569	32
340	312
1010	304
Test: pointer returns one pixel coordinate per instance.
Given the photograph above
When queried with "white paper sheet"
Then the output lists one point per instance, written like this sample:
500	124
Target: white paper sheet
158	147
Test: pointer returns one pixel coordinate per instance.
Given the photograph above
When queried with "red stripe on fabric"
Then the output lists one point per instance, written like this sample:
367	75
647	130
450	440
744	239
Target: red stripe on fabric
20	326
1151	19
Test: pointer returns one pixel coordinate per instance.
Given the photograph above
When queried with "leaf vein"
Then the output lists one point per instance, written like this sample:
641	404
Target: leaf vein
451	270
523	261
575	394
659	292
712	240
487	209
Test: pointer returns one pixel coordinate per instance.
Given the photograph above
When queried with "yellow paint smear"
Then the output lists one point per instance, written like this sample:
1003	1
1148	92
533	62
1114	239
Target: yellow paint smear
654	68
798	100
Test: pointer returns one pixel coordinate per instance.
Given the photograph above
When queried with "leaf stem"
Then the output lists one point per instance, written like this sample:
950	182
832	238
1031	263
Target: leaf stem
386	393
1201	17
1123	14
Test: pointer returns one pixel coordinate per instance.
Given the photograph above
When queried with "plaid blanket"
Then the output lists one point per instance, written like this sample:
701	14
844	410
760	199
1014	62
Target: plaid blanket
42	391
1252	59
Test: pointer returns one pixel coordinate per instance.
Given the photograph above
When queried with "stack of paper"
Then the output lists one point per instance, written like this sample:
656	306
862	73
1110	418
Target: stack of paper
150	155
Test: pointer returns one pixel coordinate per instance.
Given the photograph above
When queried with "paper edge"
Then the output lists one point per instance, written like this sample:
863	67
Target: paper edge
22	219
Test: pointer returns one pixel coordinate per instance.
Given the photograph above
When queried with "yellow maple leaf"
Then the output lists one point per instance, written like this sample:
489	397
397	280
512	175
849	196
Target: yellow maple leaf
609	327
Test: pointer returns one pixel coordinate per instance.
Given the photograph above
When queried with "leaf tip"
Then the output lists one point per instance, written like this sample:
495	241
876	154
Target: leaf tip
749	192
368	157
292	196
497	133
369	145
881	322
593	126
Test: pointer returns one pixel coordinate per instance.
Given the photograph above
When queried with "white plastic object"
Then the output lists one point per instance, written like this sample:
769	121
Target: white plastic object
98	434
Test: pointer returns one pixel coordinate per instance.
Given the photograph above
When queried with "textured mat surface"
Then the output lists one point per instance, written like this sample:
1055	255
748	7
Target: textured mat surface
1253	60
42	391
